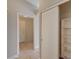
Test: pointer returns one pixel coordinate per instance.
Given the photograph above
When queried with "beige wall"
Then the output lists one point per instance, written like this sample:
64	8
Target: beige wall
26	29
22	8
14	7
46	3
65	10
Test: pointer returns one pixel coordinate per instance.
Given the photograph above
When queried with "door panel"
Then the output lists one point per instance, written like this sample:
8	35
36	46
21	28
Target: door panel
66	38
50	34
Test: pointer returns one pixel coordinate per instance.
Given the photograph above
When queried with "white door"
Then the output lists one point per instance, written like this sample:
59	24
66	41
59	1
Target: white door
50	34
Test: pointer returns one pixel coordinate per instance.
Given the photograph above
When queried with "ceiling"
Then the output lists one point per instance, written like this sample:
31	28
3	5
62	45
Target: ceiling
34	2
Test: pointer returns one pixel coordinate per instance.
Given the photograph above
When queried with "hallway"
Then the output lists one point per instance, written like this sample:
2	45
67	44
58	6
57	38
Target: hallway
24	46
26	51
38	28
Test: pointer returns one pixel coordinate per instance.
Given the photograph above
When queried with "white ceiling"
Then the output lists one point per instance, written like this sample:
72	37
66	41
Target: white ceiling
34	2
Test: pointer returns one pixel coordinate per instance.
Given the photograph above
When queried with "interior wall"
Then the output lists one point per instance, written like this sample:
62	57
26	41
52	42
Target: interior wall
11	29
46	3
22	29
65	10
29	29
26	29
14	7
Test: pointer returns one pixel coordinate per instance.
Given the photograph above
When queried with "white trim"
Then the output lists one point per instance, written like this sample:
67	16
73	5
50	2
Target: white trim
53	5
18	34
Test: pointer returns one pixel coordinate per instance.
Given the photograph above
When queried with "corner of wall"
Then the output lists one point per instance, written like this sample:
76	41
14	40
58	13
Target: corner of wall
13	57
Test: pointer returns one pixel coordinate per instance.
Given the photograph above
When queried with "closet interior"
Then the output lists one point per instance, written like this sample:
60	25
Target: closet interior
65	21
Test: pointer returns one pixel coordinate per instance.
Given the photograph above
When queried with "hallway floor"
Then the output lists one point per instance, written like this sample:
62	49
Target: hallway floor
24	46
27	52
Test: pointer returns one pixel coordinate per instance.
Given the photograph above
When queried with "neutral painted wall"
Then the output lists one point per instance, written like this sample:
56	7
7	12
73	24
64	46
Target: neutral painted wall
46	3
26	29
22	8
29	29
22	29
65	10
49	3
14	7
11	29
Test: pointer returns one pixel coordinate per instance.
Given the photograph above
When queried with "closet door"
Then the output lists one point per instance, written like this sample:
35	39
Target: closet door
50	34
66	37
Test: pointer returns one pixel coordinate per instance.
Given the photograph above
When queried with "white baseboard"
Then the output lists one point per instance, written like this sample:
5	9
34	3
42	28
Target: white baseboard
37	49
13	57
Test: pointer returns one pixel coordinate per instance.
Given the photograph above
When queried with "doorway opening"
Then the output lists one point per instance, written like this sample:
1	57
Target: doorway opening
25	33
26	37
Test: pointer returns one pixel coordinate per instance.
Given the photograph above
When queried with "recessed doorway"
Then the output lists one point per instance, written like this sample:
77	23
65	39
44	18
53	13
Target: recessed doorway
25	33
26	38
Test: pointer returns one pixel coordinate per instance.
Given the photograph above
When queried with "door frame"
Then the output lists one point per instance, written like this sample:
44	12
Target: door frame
18	37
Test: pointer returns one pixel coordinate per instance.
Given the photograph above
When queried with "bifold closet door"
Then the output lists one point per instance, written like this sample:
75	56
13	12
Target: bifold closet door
50	34
66	38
